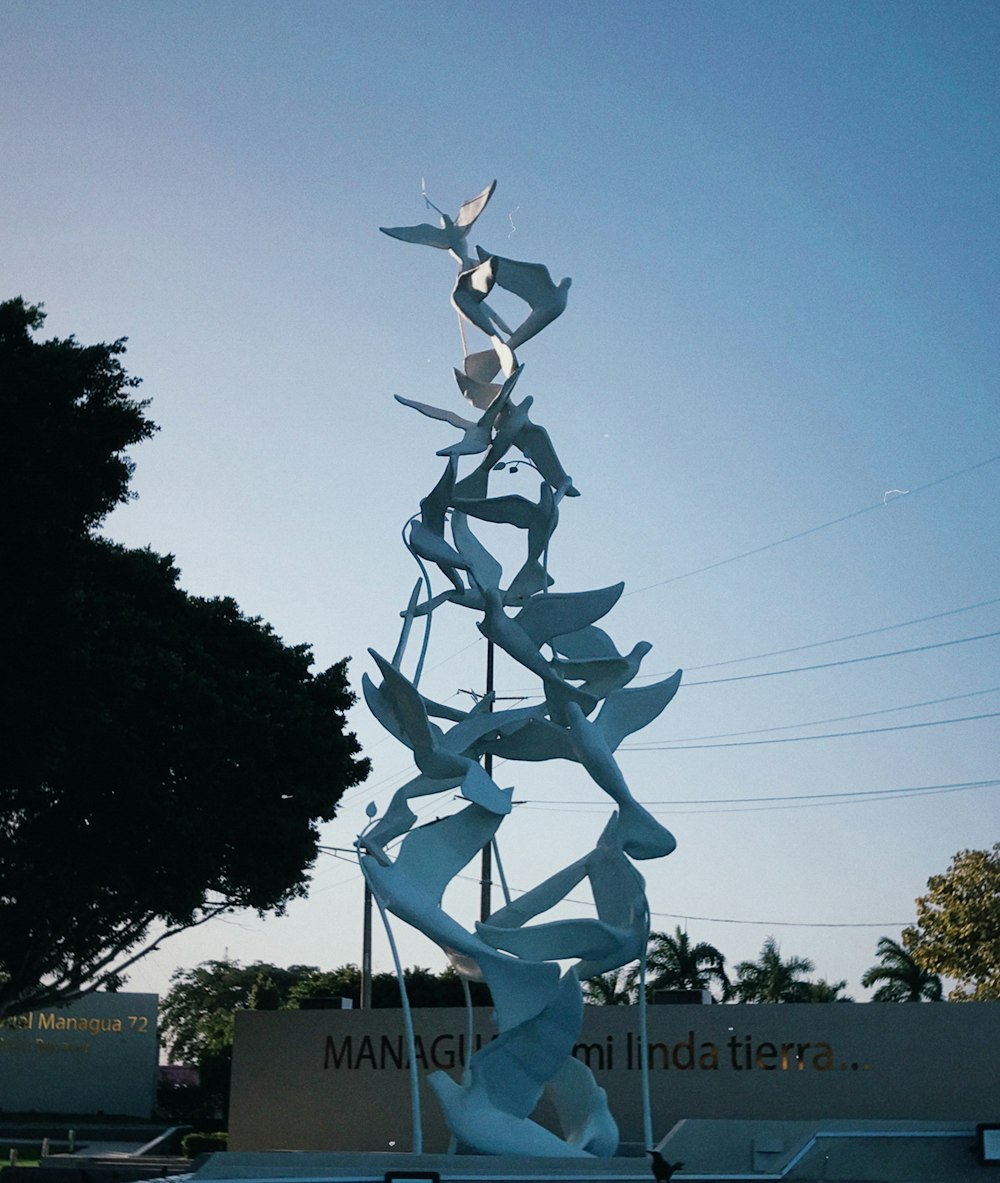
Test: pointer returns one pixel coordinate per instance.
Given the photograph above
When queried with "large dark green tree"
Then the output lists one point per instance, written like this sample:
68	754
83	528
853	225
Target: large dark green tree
899	976
162	757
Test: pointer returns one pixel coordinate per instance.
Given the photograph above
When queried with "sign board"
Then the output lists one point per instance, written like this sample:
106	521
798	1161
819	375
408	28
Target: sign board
338	1080
96	1055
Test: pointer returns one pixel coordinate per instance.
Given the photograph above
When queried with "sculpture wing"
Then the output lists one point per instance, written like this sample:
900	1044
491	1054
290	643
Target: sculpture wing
536	741
431	856
406	704
423	235
513	510
531	281
593	670
586	644
555	940
553	614
535	443
485	366
482	566
399	817
627	711
540	898
381	708
430	545
469	210
465	736
513	1068
481	394
471	288
436	413
435	505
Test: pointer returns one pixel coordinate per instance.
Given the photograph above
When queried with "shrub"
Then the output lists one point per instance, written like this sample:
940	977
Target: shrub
194	1144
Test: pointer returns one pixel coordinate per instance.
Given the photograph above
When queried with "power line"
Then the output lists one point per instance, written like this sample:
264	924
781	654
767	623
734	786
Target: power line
779	542
801	668
729	920
787	923
813	529
886	628
700	919
826	665
931	702
954	786
670	746
822	798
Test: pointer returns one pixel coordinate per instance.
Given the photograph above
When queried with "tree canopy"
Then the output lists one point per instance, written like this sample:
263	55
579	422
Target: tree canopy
163	756
198	1015
958	925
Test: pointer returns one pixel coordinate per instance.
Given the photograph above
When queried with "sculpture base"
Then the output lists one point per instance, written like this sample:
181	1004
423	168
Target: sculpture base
310	1166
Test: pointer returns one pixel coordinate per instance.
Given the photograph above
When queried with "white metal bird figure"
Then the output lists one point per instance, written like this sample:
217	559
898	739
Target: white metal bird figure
480	394
426	538
484	366
469	294
401	708
485	394
478	434
492	1111
538	518
452	235
535	286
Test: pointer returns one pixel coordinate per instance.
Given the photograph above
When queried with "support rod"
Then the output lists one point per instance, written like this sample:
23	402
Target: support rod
486	872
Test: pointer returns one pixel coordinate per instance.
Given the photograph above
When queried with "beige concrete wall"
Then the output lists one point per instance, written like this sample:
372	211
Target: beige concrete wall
337	1080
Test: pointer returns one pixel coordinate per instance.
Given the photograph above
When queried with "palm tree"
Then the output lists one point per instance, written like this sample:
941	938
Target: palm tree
610	989
769	979
823	991
903	980
674	963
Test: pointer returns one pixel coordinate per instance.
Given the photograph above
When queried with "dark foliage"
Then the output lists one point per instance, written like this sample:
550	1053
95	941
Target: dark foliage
198	1015
162	756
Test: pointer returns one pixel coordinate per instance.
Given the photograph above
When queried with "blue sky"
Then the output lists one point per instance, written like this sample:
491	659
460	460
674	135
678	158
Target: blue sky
780	220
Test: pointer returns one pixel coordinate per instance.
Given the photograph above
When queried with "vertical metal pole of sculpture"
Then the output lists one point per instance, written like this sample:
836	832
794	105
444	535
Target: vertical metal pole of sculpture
587	707
486	865
647	1111
416	1119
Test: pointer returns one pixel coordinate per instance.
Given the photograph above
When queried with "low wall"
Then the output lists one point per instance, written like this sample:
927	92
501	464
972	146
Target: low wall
338	1080
97	1055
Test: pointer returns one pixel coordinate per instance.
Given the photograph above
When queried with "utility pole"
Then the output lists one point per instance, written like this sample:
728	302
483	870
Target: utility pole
486	872
366	949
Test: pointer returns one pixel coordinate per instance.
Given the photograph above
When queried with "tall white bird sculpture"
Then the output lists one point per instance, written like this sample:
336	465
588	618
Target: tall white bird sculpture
587	705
